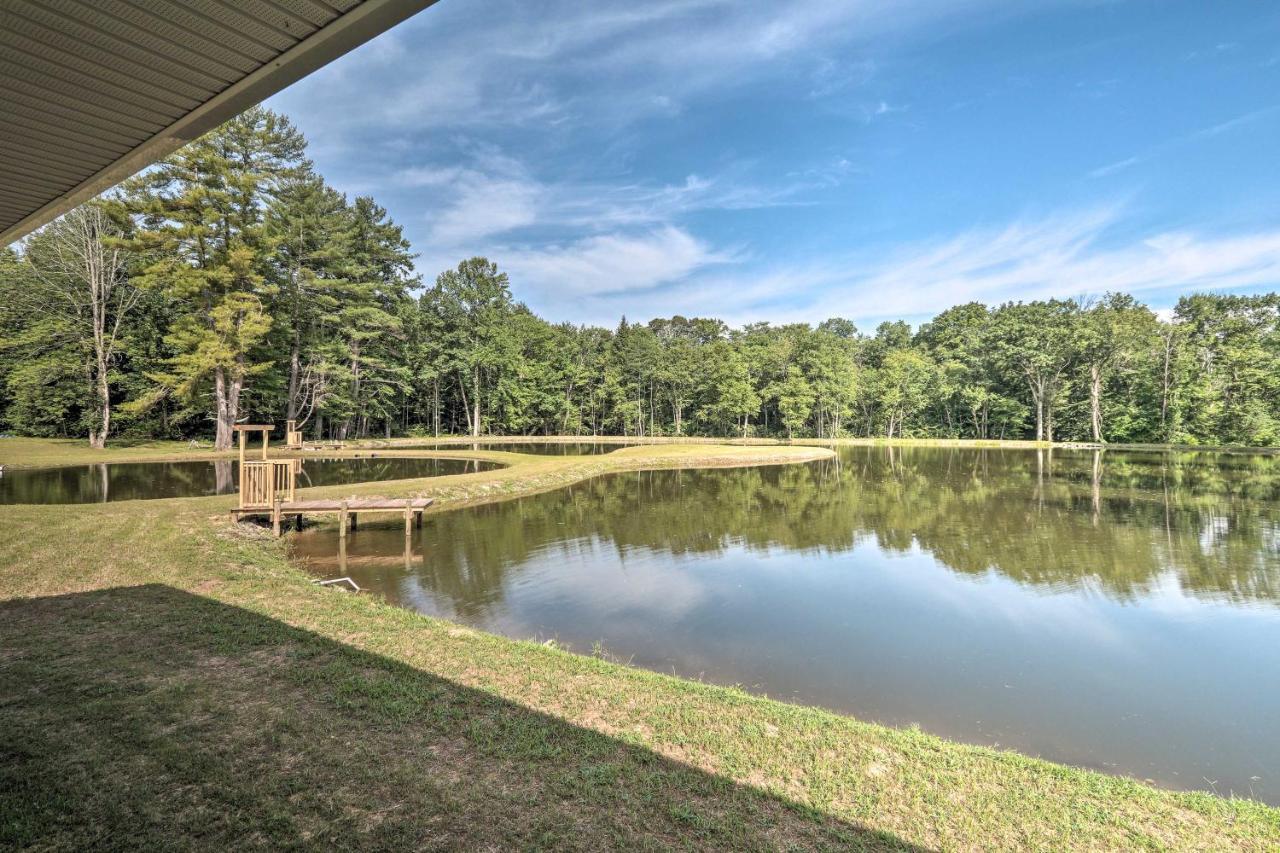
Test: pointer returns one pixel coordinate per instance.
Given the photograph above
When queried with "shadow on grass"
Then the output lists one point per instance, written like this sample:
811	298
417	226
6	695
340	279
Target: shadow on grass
149	717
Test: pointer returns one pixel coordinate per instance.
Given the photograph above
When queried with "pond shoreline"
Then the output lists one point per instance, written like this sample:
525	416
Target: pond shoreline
22	452
731	768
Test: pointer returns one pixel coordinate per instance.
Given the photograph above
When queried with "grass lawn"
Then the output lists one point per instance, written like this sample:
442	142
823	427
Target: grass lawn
169	680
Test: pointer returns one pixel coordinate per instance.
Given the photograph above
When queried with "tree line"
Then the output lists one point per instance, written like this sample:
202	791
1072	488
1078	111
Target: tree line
230	282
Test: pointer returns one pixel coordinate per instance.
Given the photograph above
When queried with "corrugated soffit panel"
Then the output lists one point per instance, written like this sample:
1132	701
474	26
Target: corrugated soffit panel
91	91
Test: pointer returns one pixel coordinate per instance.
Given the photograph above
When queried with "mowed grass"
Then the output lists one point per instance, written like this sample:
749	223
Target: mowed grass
169	680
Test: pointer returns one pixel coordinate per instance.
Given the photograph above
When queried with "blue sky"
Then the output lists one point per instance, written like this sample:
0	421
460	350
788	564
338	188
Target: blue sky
795	161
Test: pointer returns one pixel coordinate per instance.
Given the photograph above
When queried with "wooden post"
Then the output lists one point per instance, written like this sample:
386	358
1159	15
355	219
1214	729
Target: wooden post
342	522
408	514
418	519
265	433
355	520
275	518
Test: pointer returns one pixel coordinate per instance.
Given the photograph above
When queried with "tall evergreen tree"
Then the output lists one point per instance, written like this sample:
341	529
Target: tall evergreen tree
202	216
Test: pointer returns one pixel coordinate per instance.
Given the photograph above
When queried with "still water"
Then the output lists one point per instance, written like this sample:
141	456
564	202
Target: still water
1115	610
126	481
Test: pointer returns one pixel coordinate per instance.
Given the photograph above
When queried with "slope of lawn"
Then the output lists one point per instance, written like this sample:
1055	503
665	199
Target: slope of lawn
169	680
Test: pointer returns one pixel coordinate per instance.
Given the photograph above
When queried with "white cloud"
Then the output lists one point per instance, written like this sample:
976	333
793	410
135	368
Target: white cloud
610	264
1057	257
1113	168
1065	256
506	64
566	86
493	201
483	207
1236	122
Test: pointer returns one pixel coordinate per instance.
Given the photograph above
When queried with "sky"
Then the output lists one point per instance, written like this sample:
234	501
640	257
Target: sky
791	162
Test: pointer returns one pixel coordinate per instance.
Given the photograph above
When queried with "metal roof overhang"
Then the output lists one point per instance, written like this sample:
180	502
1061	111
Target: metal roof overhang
92	91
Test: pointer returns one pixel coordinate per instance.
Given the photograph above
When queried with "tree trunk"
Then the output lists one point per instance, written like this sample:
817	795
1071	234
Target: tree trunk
225	418
475	420
98	438
1097	486
1164	390
435	406
1039	401
234	388
1095	402
355	387
466	405
295	369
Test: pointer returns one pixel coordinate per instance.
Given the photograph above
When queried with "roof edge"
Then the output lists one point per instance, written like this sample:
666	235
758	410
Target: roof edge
352	29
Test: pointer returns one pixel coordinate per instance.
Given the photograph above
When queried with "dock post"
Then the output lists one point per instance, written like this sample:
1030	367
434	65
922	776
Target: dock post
342	522
408	515
275	518
418	519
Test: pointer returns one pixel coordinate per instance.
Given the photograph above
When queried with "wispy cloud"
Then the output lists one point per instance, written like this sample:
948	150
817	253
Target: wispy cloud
509	64
494	204
1207	132
1236	122
605	153
1113	168
608	264
1077	255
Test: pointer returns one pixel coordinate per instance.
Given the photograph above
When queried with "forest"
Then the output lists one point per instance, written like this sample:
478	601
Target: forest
231	283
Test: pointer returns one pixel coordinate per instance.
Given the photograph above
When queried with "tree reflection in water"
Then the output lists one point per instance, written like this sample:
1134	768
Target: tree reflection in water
1112	609
1117	520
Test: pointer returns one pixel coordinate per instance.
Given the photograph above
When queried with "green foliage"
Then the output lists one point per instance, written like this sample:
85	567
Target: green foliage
266	294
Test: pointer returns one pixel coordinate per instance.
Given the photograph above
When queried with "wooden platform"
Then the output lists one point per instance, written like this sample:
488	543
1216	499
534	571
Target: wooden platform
412	508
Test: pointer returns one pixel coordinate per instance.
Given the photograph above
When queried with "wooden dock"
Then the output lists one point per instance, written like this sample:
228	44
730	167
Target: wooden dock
349	510
267	487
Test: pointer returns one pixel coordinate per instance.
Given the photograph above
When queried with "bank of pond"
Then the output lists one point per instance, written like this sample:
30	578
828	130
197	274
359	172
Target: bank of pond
127	481
1117	610
539	448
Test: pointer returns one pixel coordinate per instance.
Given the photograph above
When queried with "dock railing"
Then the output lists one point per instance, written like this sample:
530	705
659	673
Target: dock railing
264	482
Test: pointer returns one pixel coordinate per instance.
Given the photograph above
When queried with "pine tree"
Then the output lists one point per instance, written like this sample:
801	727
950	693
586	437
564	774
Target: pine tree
201	212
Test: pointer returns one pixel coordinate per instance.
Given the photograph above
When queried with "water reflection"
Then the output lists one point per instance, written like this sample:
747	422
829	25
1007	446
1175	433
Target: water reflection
123	481
1115	610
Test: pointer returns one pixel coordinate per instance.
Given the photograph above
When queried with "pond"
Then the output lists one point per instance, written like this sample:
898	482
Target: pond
540	448
126	481
1116	610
